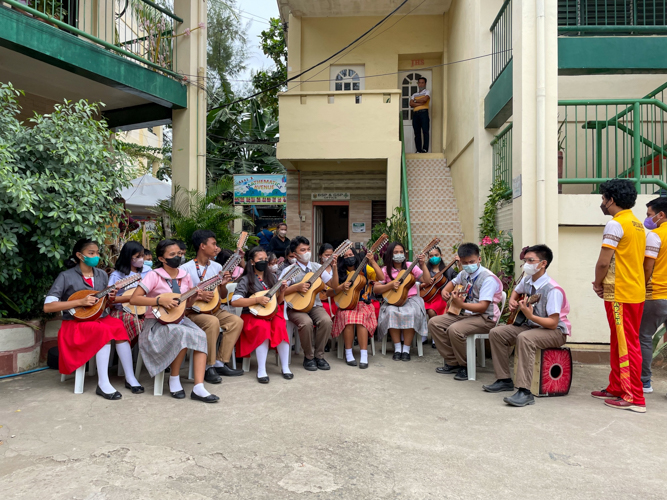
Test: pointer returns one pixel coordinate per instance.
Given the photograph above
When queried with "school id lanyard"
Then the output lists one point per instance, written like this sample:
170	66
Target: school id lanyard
201	276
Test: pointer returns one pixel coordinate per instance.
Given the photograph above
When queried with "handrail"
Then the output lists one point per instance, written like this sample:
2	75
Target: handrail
165	11
76	31
612	29
499	15
404	187
501	40
501	134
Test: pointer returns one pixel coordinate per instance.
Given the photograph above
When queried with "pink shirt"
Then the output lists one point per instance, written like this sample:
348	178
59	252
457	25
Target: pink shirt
238	271
154	284
417	272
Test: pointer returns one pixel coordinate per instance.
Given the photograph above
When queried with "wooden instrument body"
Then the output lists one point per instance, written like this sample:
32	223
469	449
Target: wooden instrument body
88	313
172	316
452	309
517	316
304	302
513	314
130	309
428	292
269	310
350	298
400	296
211	306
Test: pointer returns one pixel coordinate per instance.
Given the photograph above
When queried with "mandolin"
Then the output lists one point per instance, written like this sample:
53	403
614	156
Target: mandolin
93	312
405	279
428	292
458	290
212	305
517	318
512	316
269	310
129	308
303	302
348	299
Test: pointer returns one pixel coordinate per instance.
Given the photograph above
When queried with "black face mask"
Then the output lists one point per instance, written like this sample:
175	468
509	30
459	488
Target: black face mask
261	265
174	262
182	261
350	261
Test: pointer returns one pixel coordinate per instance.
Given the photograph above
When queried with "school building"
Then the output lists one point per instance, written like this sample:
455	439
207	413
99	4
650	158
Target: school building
550	97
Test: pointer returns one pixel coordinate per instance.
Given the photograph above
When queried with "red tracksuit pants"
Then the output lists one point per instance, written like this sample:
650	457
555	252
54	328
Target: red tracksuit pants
625	353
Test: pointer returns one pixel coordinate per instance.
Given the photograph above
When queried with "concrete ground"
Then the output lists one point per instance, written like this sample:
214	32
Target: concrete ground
396	430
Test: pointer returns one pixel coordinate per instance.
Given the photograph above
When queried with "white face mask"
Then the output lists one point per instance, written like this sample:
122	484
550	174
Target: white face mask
282	233
304	257
399	257
531	269
274	268
292	260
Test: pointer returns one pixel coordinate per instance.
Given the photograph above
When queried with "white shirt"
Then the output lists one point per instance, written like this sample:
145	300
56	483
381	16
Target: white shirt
489	287
653	244
554	299
208	271
326	276
422	93
612	234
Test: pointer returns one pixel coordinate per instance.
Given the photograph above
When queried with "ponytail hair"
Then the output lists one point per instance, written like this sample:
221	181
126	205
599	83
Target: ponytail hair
159	251
79	247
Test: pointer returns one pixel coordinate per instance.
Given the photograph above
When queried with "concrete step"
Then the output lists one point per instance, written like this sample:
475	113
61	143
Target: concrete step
435	228
427	170
439	184
443	203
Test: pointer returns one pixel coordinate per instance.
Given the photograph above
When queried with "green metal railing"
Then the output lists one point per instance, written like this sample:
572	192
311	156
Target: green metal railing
501	40
502	157
612	17
615	138
405	202
140	30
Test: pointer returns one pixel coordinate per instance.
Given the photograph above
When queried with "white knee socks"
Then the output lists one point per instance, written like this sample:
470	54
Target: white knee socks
102	359
175	383
283	354
262	352
348	355
125	355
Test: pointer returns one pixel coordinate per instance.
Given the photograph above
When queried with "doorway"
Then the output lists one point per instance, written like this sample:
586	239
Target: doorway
330	225
407	82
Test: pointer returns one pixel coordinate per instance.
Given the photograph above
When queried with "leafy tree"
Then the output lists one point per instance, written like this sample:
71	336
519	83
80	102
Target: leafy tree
58	179
275	47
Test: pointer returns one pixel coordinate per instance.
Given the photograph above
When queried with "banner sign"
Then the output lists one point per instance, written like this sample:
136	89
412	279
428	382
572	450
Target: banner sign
260	189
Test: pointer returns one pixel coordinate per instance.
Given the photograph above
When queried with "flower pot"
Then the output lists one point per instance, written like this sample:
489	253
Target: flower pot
20	347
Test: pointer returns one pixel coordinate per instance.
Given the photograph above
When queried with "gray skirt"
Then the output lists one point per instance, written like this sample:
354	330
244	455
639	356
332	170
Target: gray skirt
160	344
412	314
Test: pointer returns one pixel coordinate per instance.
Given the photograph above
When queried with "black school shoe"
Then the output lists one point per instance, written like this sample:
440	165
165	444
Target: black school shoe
178	394
211	398
405	356
447	369
136	389
113	396
499	386
522	397
462	374
352	363
263	380
396	356
322	364
211	376
310	365
226	371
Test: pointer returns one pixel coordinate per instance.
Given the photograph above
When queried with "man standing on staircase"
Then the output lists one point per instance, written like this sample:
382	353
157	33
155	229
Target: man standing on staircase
420	121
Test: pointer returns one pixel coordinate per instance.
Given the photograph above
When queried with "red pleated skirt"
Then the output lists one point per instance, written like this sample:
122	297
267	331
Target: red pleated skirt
257	330
78	341
331	311
438	304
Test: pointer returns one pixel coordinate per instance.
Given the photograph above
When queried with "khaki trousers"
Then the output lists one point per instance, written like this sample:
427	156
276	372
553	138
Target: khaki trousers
450	333
304	323
527	340
211	323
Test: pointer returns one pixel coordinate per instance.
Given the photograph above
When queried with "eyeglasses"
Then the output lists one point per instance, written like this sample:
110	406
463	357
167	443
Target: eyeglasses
531	261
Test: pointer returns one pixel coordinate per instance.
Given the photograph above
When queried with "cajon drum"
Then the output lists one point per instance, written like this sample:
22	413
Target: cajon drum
552	372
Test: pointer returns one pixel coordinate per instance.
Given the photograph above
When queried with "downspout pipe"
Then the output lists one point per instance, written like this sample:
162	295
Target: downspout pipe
541	124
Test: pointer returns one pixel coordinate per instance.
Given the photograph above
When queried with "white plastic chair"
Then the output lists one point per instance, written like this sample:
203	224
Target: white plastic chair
159	378
481	354
80	375
341	344
292	333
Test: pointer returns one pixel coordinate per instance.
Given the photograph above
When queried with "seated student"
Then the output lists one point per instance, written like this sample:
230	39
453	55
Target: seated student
410	318
78	341
479	311
363	315
436	306
313	349
326	251
148	259
288	260
546	326
166	345
201	268
222	258
259	334
130	261
273	263
182	248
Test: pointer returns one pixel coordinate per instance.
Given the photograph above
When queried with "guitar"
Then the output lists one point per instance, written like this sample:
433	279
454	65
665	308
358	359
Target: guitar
89	313
269	310
129	308
428	292
303	302
458	290
212	305
512	316
348	299
406	279
517	317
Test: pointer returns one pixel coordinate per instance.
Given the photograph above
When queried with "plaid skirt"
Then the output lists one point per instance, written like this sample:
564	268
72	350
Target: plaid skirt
160	344
132	323
412	314
363	314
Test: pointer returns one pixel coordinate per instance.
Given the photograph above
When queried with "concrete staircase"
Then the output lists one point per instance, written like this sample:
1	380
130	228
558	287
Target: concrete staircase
433	210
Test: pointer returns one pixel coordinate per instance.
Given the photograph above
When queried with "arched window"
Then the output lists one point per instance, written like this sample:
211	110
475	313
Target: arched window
347	79
408	88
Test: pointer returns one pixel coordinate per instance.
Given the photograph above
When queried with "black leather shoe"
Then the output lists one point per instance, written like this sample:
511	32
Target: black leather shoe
499	386
322	364
327	348
352	363
288	376
522	397
227	371
363	366
462	374
433	345
263	380
447	369
405	356
136	389
111	396
211	376
178	394
310	365
211	398
396	356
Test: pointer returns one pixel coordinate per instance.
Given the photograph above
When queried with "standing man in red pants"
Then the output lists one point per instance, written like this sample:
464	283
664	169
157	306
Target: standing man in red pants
619	280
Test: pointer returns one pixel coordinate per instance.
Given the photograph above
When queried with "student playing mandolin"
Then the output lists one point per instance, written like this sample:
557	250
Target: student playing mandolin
78	341
261	333
436	306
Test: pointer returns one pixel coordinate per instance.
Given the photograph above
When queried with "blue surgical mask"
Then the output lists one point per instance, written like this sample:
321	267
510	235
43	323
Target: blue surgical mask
435	260
91	261
148	263
471	268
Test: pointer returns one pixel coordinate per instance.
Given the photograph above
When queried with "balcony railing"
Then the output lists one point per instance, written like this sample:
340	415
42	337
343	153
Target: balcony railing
501	40
612	17
140	30
502	157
